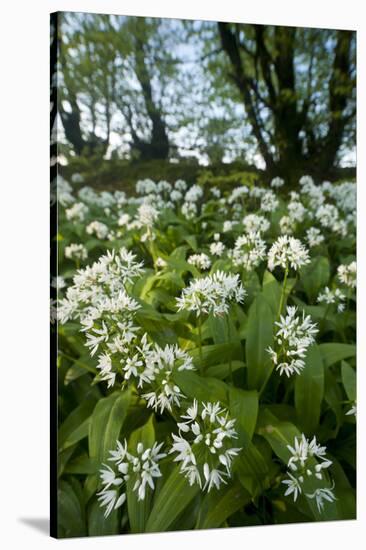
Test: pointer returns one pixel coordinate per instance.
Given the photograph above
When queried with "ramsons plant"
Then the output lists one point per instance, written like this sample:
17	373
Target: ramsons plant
207	373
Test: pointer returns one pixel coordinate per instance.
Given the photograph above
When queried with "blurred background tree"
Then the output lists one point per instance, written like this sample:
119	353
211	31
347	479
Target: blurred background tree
136	90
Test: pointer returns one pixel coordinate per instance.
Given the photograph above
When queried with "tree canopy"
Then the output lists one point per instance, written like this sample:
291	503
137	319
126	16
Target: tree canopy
280	98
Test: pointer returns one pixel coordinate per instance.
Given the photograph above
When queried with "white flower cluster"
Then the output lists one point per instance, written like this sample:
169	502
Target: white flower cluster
277	182
160	365
314	237
76	252
347	274
77	212
255	223
204	445
287	252
140	468
201	261
100	288
97	228
212	294
269	201
249	251
332	297
308	460
293	337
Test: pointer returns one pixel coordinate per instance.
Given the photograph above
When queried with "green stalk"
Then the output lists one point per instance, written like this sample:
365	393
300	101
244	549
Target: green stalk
283	293
199	321
229	338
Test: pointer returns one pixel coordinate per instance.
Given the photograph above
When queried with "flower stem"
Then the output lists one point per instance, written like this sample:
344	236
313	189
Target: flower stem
229	339
283	293
199	321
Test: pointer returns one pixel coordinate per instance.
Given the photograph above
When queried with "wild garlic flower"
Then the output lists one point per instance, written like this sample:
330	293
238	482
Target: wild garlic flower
100	289
322	494
58	282
215	192
160	366
180	185
314	237
77	212
97	228
76	252
139	468
269	201
201	261
228	226
238	193
307	461
147	215
296	210
255	223
193	194
189	210
287	225
287	252
123	219
352	410
249	251
204	445
293	337
212	294
347	274
160	263
335	297
217	248
277	182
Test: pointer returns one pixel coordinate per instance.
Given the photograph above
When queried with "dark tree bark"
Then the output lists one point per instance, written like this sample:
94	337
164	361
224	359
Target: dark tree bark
291	144
158	146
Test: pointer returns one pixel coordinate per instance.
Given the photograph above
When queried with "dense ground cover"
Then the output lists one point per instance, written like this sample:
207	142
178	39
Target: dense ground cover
206	356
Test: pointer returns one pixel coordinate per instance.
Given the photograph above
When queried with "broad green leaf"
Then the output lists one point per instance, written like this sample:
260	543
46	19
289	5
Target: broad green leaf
75	427
333	352
259	338
349	381
98	525
218	506
243	406
175	495
201	388
217	353
278	434
309	391
315	276
223	370
106	423
70	516
252	468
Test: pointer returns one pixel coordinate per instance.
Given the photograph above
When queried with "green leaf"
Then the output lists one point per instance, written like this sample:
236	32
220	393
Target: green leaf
175	495
106	423
278	434
217	353
349	381
98	525
218	506
138	511
71	521
75	427
201	388
309	391
314	276
271	291
252	469
333	353
243	406
259	338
